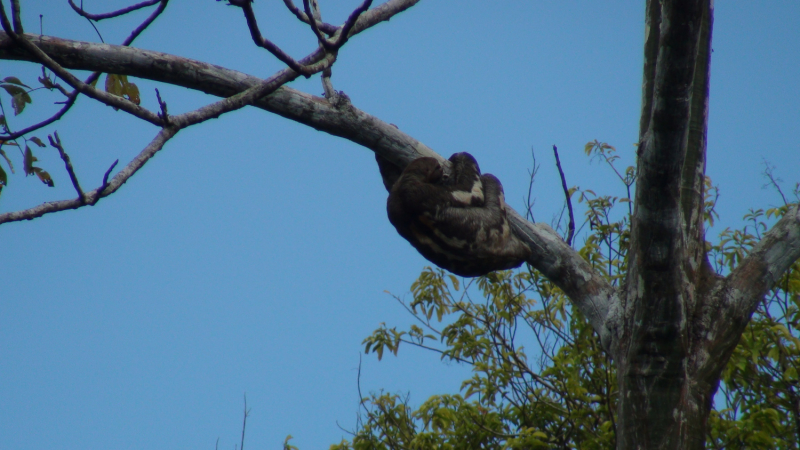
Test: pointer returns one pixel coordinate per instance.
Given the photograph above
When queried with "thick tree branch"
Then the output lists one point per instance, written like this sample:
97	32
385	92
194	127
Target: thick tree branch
739	294
657	247
591	293
694	166
72	80
316	112
561	264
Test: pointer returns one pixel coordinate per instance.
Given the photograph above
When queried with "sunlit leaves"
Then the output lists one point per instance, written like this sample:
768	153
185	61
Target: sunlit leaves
120	86
510	401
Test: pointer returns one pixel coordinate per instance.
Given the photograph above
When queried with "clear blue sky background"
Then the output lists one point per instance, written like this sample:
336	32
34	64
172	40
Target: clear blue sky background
252	255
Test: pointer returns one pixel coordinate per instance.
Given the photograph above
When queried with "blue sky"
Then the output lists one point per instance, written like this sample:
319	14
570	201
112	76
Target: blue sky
253	254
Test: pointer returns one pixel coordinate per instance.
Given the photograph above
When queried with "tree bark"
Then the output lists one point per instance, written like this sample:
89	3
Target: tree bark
661	407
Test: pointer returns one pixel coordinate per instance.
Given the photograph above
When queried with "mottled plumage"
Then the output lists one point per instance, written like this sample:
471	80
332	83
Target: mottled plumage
458	223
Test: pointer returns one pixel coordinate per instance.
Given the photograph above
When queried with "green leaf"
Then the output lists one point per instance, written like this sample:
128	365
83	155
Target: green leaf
44	176
37	141
15	80
120	86
131	91
28	160
12	89
3	154
18	102
19	97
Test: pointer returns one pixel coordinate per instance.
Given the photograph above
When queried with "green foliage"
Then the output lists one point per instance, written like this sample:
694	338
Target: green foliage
758	403
539	376
562	394
121	87
20	96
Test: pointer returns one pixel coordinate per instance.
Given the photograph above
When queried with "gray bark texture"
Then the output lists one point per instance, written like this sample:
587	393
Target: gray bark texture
673	324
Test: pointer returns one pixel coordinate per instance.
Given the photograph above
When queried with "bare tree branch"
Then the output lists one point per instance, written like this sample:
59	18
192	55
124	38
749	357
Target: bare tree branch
355	125
138	30
175	124
16	16
72	80
350	23
739	294
261	41
694	166
103	191
117	13
571	226
64	157
564	266
552	256
313	23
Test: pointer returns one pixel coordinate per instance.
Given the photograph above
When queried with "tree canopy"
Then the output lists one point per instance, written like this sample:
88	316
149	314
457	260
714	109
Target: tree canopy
668	191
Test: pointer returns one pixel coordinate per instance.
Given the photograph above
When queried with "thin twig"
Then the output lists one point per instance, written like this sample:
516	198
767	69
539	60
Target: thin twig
774	181
528	202
261	41
358	385
163	106
571	226
64	157
138	30
327	86
301	16
244	421
109	15
351	20
322	40
105	178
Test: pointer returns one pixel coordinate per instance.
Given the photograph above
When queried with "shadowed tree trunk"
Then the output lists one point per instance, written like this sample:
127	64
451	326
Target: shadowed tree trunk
674	323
